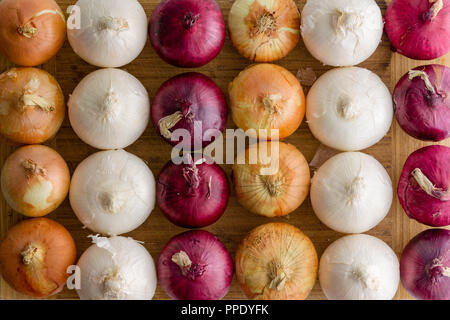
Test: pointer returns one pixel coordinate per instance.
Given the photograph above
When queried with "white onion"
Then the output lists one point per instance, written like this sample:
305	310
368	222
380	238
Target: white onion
116	268
359	267
112	192
109	109
351	192
111	33
341	32
349	109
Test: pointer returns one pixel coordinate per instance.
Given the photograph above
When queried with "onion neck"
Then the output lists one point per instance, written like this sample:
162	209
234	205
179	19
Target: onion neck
355	189
32	255
278	276
270	103
113	286
192	176
438	269
190	19
33	169
273	185
27	30
110	202
30	98
188	269
429	187
434	10
417	73
167	123
113	24
109	104
366	279
347	22
347	109
266	24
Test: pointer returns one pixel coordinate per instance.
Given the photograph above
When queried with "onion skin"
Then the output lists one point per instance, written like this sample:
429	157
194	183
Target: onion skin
265	272
187	33
423	263
421	112
41	271
32	105
207	278
267	91
434	164
414	32
197	98
45	34
273	195
262	30
192	196
35	180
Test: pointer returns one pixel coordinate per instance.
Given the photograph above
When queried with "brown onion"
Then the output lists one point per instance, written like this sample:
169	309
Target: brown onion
31	31
31	105
35	255
35	180
276	261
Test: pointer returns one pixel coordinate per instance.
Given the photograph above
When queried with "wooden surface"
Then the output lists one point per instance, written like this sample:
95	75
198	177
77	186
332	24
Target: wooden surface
396	229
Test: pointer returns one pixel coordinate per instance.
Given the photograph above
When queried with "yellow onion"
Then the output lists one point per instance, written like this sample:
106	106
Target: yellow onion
264	30
265	97
276	183
276	261
35	180
31	105
32	31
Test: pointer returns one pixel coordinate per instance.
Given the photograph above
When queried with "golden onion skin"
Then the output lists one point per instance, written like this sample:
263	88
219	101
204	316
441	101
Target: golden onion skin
266	272
264	30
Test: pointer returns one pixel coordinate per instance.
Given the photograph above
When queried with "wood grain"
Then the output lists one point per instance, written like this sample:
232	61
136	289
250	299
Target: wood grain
396	229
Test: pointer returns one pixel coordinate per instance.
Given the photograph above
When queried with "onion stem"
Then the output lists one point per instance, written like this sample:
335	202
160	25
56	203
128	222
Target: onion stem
31	254
168	122
270	102
279	277
27	30
182	260
31	168
417	73
437	6
428	186
112	23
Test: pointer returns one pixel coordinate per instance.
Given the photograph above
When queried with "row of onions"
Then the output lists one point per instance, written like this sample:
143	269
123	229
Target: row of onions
113	192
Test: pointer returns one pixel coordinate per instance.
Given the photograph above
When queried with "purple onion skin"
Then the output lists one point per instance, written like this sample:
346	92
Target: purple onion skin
422	265
187	33
199	99
434	162
421	113
414	33
189	200
211	272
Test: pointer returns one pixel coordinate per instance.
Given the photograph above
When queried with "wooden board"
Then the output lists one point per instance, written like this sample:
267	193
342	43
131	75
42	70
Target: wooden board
396	229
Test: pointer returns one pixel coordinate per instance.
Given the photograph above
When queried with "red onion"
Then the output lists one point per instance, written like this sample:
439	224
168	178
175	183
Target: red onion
421	102
425	265
419	29
195	265
187	33
185	101
192	195
423	188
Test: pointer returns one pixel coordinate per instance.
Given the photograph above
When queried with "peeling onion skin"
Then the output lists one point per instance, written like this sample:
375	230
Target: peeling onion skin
425	265
34	257
424	113
341	33
192	195
187	33
196	98
35	180
349	109
434	164
207	274
32	105
263	30
359	267
414	32
29	34
267	96
277	194
265	272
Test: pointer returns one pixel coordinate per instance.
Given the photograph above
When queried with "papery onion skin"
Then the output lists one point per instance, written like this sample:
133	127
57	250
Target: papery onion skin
423	111
425	265
116	268
112	192
266	272
359	267
415	32
111	34
35	255
187	33
262	30
32	105
267	96
208	273
195	98
31	32
278	193
109	109
192	195
35	180
434	164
